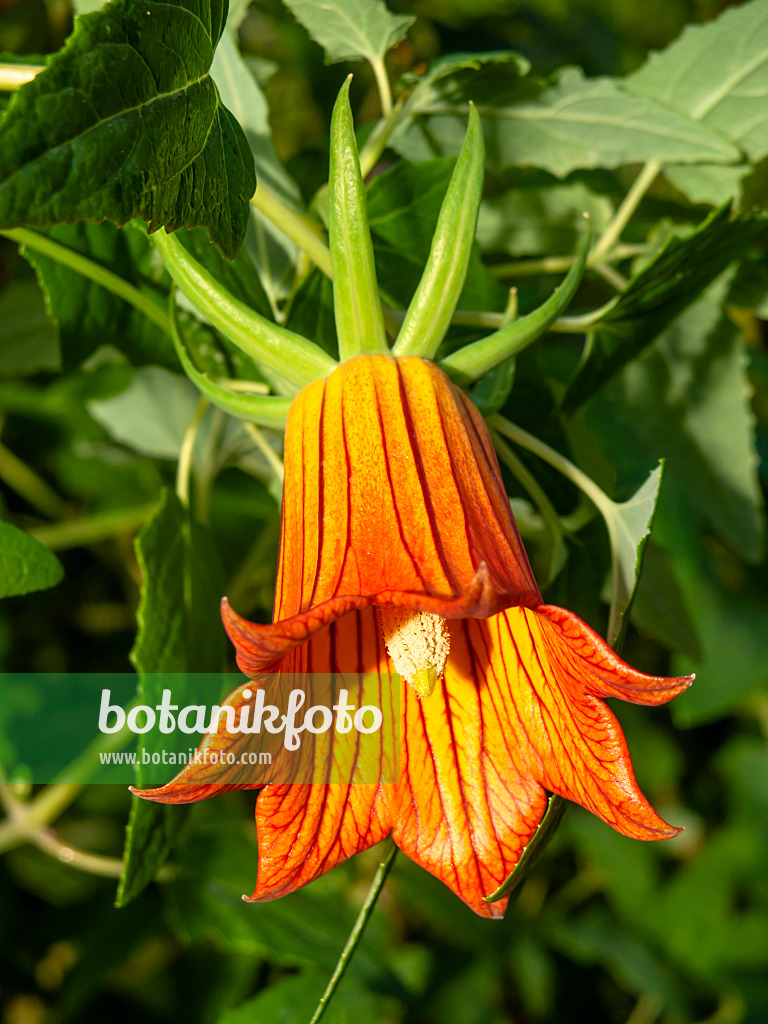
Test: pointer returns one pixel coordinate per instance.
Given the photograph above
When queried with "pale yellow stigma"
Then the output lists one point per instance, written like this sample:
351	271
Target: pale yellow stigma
418	644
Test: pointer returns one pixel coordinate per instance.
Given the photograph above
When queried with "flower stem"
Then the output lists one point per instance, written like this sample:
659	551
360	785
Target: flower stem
623	215
93	271
357	931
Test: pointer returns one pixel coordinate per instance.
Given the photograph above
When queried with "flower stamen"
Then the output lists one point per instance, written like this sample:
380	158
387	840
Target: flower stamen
418	643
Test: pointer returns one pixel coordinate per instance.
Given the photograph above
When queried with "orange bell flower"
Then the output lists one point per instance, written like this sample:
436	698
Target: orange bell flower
399	556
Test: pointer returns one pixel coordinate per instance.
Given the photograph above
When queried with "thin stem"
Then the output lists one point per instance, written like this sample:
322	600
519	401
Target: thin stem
92	863
382	84
605	505
274	460
623	215
74	533
357	931
184	468
555	459
13	76
560	264
24	481
612	276
93	271
537	493
301	230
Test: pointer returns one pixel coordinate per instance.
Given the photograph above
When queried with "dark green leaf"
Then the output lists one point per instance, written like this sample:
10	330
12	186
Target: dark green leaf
179	632
687	400
28	341
217	867
403	207
126	122
673	279
89	316
293	1001
25	563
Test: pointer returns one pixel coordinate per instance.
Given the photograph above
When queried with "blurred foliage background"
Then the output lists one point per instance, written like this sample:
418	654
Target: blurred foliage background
605	929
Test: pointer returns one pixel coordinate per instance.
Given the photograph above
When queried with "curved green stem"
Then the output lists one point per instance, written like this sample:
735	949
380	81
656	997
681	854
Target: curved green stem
297	360
266	410
605	505
74	533
357	931
93	271
537	493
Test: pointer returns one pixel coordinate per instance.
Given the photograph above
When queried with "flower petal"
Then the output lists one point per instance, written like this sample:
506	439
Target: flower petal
466	808
305	830
392	486
571	741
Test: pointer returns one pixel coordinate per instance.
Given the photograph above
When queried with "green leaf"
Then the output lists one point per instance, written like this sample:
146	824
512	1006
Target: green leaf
430	311
217	867
126	122
688	400
673	279
716	74
724	78
576	123
25	563
709	184
179	632
540	220
28	341
153	413
293	1000
351	29
629	525
88	315
359	319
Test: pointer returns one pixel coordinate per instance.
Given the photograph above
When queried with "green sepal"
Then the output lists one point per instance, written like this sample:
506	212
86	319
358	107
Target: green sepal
265	410
356	302
429	314
295	359
471	362
538	844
